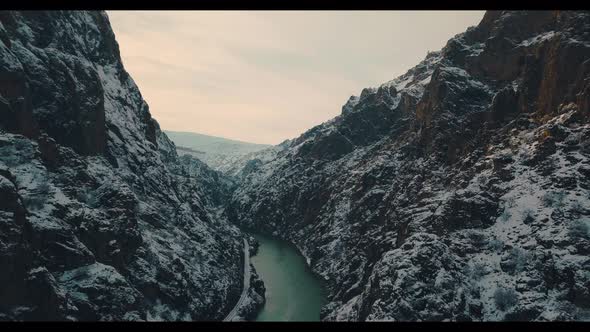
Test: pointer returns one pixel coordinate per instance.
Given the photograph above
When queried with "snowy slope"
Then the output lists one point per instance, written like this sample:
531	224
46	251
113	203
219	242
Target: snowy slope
458	191
100	219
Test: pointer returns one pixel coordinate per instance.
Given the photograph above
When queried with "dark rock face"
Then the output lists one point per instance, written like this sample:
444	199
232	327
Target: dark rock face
99	217
458	191
75	114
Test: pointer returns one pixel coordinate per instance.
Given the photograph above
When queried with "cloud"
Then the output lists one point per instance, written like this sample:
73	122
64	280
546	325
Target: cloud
268	76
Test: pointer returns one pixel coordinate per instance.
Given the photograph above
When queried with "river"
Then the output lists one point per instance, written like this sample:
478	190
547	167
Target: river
293	292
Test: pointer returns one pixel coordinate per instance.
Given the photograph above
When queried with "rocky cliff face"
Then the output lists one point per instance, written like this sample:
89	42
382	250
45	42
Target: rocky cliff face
458	191
99	217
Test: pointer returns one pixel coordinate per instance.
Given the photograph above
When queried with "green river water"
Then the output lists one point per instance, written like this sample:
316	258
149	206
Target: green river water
293	292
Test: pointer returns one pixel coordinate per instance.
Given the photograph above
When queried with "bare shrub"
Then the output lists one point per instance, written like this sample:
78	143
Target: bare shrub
579	229
505	298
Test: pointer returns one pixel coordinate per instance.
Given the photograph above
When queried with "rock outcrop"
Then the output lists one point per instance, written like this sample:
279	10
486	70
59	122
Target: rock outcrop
458	191
99	217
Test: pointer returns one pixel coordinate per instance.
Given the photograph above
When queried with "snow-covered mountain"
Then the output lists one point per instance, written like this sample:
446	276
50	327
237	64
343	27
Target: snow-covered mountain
219	153
100	219
458	191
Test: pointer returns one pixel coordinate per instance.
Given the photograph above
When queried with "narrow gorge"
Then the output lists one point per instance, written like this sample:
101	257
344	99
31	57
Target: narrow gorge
458	191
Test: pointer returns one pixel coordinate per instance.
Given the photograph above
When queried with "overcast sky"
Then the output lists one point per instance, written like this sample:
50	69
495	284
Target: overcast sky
265	76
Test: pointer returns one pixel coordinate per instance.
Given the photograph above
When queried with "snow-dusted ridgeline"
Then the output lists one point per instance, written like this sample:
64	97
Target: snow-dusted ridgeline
458	191
100	219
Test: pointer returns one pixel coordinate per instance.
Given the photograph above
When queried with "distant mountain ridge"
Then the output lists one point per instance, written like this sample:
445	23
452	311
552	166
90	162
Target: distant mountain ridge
216	152
204	143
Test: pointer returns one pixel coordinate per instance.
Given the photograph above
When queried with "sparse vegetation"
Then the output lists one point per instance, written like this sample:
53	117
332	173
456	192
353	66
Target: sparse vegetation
553	199
577	208
505	216
528	216
478	270
579	229
519	256
496	244
505	298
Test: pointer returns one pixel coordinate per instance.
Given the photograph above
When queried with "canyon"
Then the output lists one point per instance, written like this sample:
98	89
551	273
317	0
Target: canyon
458	191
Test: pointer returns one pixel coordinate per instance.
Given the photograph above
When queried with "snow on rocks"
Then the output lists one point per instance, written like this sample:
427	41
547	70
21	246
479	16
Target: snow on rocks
114	225
470	203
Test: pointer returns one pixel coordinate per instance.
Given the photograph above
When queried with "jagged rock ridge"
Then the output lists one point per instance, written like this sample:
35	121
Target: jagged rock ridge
458	191
99	217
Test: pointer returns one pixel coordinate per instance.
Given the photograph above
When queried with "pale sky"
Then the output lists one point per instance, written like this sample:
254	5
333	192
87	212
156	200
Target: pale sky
266	76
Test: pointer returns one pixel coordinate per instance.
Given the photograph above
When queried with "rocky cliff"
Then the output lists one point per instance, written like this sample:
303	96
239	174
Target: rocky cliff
99	217
457	191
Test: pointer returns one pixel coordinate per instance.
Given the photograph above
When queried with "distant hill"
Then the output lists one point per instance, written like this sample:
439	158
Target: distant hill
214	151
